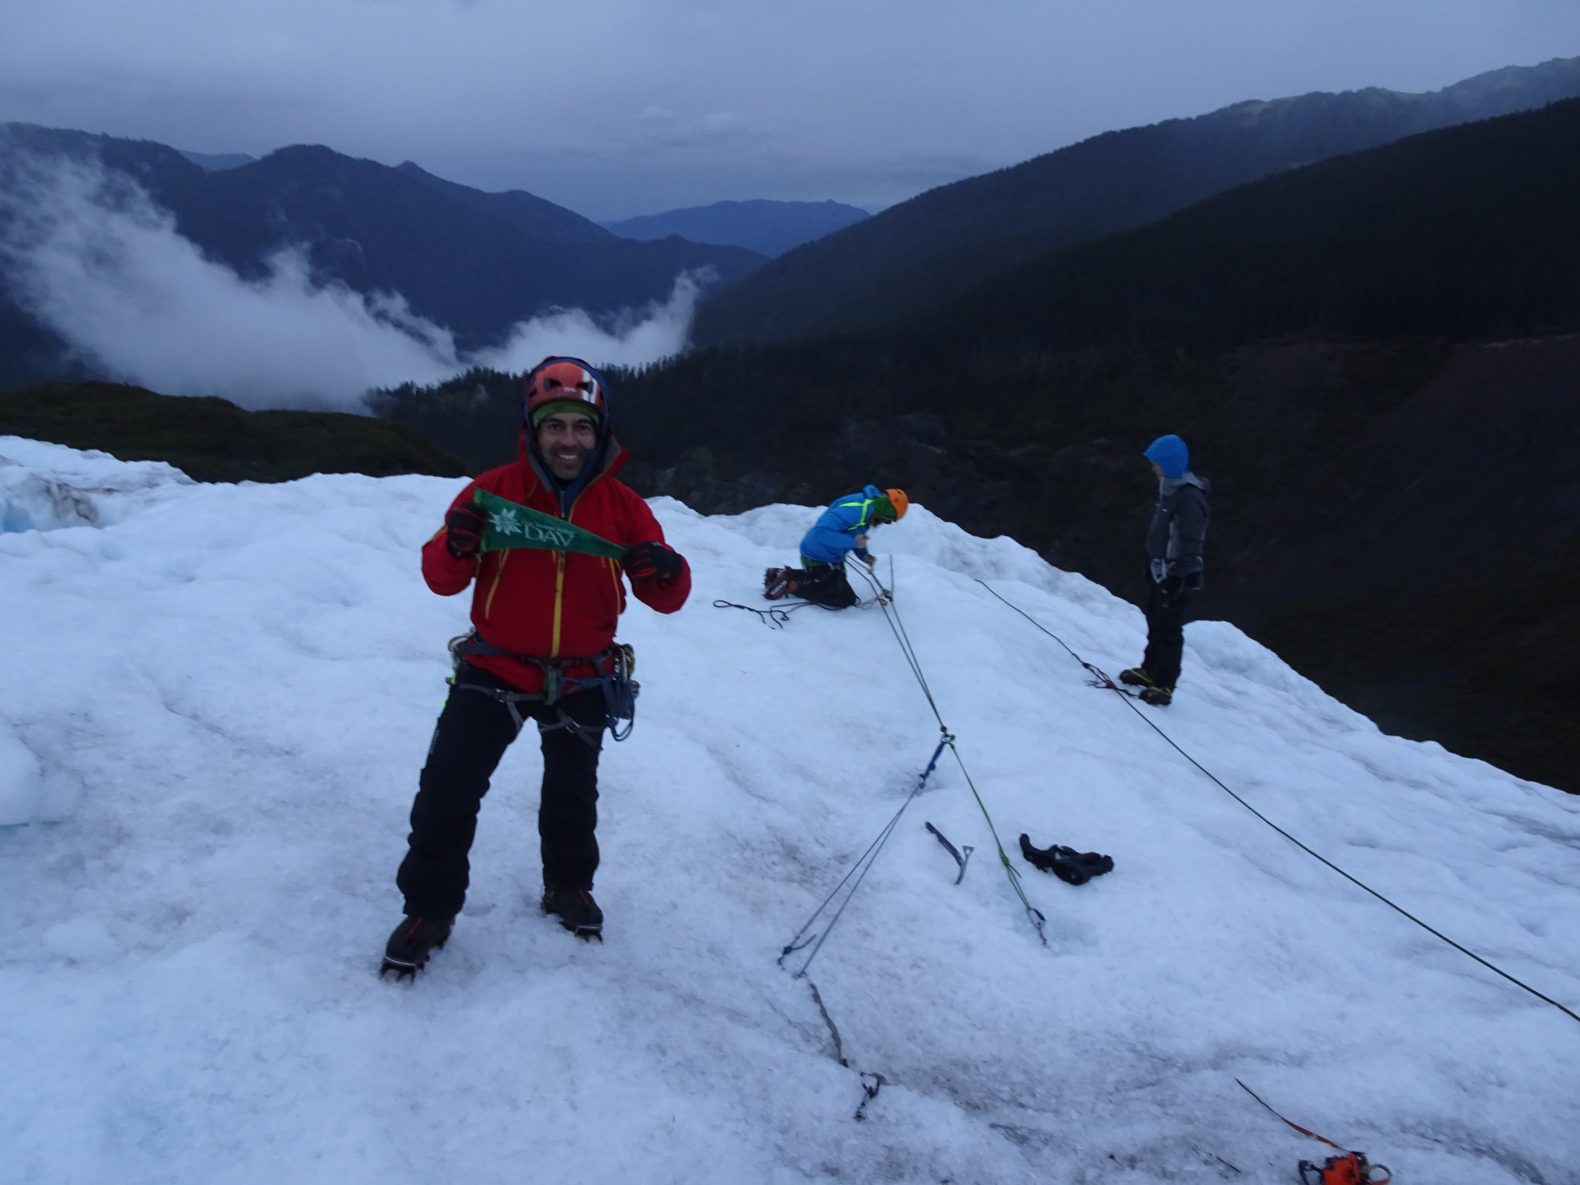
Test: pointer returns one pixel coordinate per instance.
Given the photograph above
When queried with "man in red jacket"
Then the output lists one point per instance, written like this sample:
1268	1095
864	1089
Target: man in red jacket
542	648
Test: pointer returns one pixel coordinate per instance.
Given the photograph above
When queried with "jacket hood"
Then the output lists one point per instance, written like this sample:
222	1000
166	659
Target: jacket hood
607	457
1170	455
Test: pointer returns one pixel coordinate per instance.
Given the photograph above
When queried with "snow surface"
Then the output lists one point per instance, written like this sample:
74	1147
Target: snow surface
216	702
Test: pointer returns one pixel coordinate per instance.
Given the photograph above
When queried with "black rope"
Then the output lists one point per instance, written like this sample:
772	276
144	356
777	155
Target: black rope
870	1085
1315	855
871	1082
833	1029
775	617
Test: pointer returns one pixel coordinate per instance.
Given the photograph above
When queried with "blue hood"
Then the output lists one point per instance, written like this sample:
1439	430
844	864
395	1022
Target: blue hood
1170	455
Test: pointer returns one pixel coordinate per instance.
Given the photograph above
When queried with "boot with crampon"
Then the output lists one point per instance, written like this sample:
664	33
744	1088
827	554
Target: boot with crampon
414	939
577	911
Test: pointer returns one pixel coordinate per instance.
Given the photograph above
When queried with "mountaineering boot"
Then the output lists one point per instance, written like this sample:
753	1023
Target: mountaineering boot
407	951
777	583
1137	677
577	911
1160	697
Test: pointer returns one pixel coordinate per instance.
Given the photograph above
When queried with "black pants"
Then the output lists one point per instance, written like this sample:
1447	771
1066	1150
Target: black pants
1165	634
473	732
826	585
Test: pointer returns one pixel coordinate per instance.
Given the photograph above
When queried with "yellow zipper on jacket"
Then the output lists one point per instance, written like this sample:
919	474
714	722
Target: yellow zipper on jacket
559	585
559	602
493	587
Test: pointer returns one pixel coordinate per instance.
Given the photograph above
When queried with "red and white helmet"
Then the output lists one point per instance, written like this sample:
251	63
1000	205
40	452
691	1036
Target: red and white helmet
569	381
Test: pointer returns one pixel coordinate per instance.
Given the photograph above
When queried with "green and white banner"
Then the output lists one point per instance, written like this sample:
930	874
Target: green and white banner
513	525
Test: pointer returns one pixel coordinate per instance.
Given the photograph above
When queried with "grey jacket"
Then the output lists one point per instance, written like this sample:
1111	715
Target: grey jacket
1178	531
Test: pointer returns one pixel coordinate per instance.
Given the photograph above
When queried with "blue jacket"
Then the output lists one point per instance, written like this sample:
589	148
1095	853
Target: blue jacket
837	529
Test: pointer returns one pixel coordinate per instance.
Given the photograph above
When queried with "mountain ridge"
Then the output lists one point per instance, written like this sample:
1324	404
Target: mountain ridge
475	263
922	252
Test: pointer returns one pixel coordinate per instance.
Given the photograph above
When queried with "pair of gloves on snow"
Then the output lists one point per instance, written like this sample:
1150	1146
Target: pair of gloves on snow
1070	866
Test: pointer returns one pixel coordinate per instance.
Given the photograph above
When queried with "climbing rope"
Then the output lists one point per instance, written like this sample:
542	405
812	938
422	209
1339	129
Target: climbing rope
891	613
775	617
884	599
859	870
1099	673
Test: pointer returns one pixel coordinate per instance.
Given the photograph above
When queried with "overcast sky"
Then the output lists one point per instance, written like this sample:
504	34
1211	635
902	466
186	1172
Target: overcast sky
623	107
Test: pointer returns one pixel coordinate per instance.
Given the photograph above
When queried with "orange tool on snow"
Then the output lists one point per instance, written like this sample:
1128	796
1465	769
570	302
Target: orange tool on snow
1349	1168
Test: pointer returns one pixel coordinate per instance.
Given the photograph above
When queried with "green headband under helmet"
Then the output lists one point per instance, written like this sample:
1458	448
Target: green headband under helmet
574	407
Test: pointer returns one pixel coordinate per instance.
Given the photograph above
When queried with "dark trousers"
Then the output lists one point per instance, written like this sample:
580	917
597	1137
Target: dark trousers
473	732
826	585
1165	635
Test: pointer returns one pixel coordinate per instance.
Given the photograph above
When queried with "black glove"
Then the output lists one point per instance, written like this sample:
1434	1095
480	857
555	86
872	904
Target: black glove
463	530
1070	866
1178	590
652	561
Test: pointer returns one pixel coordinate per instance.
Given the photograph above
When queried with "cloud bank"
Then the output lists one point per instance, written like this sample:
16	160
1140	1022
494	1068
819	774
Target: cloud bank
630	107
92	257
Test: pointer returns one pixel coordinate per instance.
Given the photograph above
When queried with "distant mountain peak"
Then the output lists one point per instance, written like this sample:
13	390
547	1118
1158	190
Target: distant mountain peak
214	162
759	224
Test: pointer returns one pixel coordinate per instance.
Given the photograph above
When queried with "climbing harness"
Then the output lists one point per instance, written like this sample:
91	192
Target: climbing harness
1438	934
1348	1168
612	672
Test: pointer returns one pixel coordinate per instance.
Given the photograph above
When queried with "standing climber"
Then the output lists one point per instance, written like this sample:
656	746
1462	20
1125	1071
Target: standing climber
541	649
1176	537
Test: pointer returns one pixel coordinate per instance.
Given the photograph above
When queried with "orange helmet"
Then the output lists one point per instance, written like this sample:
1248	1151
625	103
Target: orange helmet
565	380
899	501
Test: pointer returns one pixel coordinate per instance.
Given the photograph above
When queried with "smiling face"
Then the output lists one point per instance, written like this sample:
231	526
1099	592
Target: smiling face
564	440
